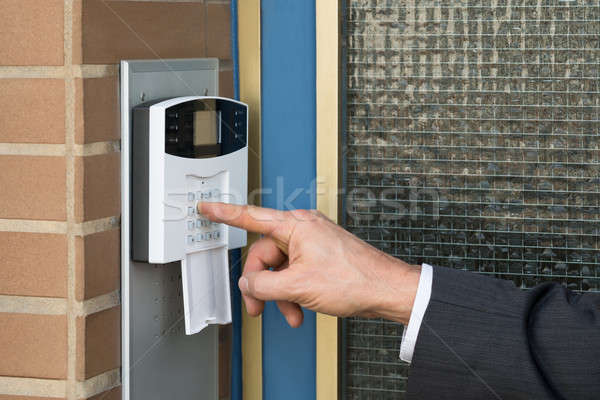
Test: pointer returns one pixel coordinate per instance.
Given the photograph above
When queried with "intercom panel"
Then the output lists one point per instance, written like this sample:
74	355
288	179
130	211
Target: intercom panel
153	322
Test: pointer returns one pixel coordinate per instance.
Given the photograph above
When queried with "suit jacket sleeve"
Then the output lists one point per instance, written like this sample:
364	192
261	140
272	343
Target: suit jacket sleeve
482	338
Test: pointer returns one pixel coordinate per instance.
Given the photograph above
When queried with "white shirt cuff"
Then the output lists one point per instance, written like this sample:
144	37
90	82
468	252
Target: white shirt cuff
409	336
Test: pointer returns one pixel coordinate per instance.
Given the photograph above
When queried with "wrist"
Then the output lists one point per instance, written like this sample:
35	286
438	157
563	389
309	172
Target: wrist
398	290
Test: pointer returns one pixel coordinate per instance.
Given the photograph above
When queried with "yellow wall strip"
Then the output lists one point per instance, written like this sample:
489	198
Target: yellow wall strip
327	36
250	90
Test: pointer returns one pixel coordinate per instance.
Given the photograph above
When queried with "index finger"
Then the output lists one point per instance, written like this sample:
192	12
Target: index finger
266	221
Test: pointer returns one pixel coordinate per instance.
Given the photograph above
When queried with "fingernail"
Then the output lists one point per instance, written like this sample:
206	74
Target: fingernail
243	284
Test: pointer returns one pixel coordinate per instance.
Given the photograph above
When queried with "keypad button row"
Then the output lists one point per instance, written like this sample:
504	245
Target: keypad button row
213	194
203	237
199	224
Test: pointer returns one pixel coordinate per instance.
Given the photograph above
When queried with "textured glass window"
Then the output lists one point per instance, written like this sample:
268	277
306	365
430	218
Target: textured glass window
470	141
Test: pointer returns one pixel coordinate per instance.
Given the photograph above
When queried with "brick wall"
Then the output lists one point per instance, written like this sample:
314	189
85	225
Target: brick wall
59	175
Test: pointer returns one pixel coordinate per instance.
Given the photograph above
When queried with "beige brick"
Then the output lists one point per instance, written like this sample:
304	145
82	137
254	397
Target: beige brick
218	31
97	264
33	264
33	111
96	110
226	84
33	345
98	343
115	30
97	186
31	32
113	394
33	187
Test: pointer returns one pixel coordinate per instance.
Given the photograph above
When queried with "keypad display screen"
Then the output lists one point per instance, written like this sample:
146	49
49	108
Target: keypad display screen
205	128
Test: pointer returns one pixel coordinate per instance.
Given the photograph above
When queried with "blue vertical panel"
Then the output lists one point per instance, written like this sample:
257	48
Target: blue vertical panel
288	174
235	268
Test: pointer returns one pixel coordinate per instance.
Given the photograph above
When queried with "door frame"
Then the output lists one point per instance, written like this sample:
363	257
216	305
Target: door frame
249	44
328	34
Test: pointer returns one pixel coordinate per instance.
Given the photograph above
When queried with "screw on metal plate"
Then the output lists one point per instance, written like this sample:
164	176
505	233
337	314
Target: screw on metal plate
206	92
143	96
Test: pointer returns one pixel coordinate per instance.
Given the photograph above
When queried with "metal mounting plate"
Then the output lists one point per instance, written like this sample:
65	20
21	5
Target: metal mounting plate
158	360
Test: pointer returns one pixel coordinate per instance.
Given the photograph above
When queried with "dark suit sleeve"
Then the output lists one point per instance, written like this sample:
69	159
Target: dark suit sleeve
482	338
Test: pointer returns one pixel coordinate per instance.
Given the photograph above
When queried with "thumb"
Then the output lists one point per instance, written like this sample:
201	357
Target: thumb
268	285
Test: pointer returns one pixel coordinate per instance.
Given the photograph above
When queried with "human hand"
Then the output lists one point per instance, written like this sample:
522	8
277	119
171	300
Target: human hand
316	264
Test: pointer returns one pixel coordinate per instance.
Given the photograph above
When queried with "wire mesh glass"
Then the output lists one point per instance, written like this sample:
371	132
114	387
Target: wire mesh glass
470	141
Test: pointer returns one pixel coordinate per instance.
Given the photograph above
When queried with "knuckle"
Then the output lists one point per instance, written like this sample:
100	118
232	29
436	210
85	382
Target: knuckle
295	217
308	216
318	213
